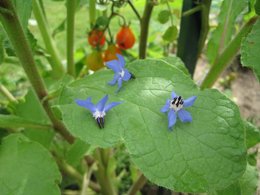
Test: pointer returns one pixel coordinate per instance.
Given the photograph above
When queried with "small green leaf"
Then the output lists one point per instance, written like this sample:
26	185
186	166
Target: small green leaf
250	50
252	134
208	153
11	121
102	21
246	185
76	152
36	113
257	7
27	168
164	16
60	28
170	34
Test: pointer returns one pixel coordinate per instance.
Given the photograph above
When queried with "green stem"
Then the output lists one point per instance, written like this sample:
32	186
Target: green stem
86	180
192	11
144	28
7	93
42	7
23	51
72	172
71	6
227	55
92	12
170	10
134	10
137	185
104	179
55	61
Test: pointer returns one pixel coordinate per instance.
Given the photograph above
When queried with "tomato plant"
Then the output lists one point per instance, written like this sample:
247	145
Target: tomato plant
125	38
96	38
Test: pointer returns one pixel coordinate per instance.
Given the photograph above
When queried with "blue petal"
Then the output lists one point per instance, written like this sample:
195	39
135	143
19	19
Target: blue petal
114	65
127	75
121	60
101	104
190	101
173	95
166	107
86	104
113	82
119	84
111	105
184	116
171	118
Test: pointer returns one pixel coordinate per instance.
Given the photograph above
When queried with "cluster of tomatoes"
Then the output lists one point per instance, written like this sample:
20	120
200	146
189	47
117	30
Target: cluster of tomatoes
125	39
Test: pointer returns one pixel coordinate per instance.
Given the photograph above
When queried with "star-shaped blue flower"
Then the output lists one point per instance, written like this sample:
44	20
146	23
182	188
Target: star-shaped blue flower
175	107
99	110
121	73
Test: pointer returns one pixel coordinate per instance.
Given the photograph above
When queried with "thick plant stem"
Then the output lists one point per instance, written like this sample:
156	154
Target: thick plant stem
17	37
7	93
103	177
137	185
145	28
71	6
227	55
54	59
92	12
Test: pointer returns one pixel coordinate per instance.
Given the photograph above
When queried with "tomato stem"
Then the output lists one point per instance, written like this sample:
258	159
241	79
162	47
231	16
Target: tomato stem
135	10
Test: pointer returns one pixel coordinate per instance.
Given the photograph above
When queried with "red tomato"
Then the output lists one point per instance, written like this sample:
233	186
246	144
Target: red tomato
95	61
125	38
96	38
110	53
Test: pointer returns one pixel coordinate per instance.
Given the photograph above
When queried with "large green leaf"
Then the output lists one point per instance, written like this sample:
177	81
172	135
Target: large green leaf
250	50
252	134
26	168
208	153
221	36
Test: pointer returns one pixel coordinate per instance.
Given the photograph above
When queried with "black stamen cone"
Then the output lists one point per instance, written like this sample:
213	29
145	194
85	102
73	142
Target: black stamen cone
132	76
101	122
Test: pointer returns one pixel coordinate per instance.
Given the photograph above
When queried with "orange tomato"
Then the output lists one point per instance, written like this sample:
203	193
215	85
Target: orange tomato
95	61
96	38
125	38
110	53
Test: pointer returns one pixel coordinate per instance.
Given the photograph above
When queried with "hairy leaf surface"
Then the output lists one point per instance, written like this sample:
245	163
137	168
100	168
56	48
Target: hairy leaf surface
27	168
208	153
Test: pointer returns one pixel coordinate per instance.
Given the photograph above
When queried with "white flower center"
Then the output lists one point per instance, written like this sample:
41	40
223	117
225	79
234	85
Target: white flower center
122	73
177	103
98	114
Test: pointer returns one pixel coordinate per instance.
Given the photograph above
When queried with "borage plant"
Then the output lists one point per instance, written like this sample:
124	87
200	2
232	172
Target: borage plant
192	143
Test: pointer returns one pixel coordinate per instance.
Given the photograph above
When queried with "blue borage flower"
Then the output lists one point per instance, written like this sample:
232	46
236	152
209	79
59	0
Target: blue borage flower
99	110
121	73
175	107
